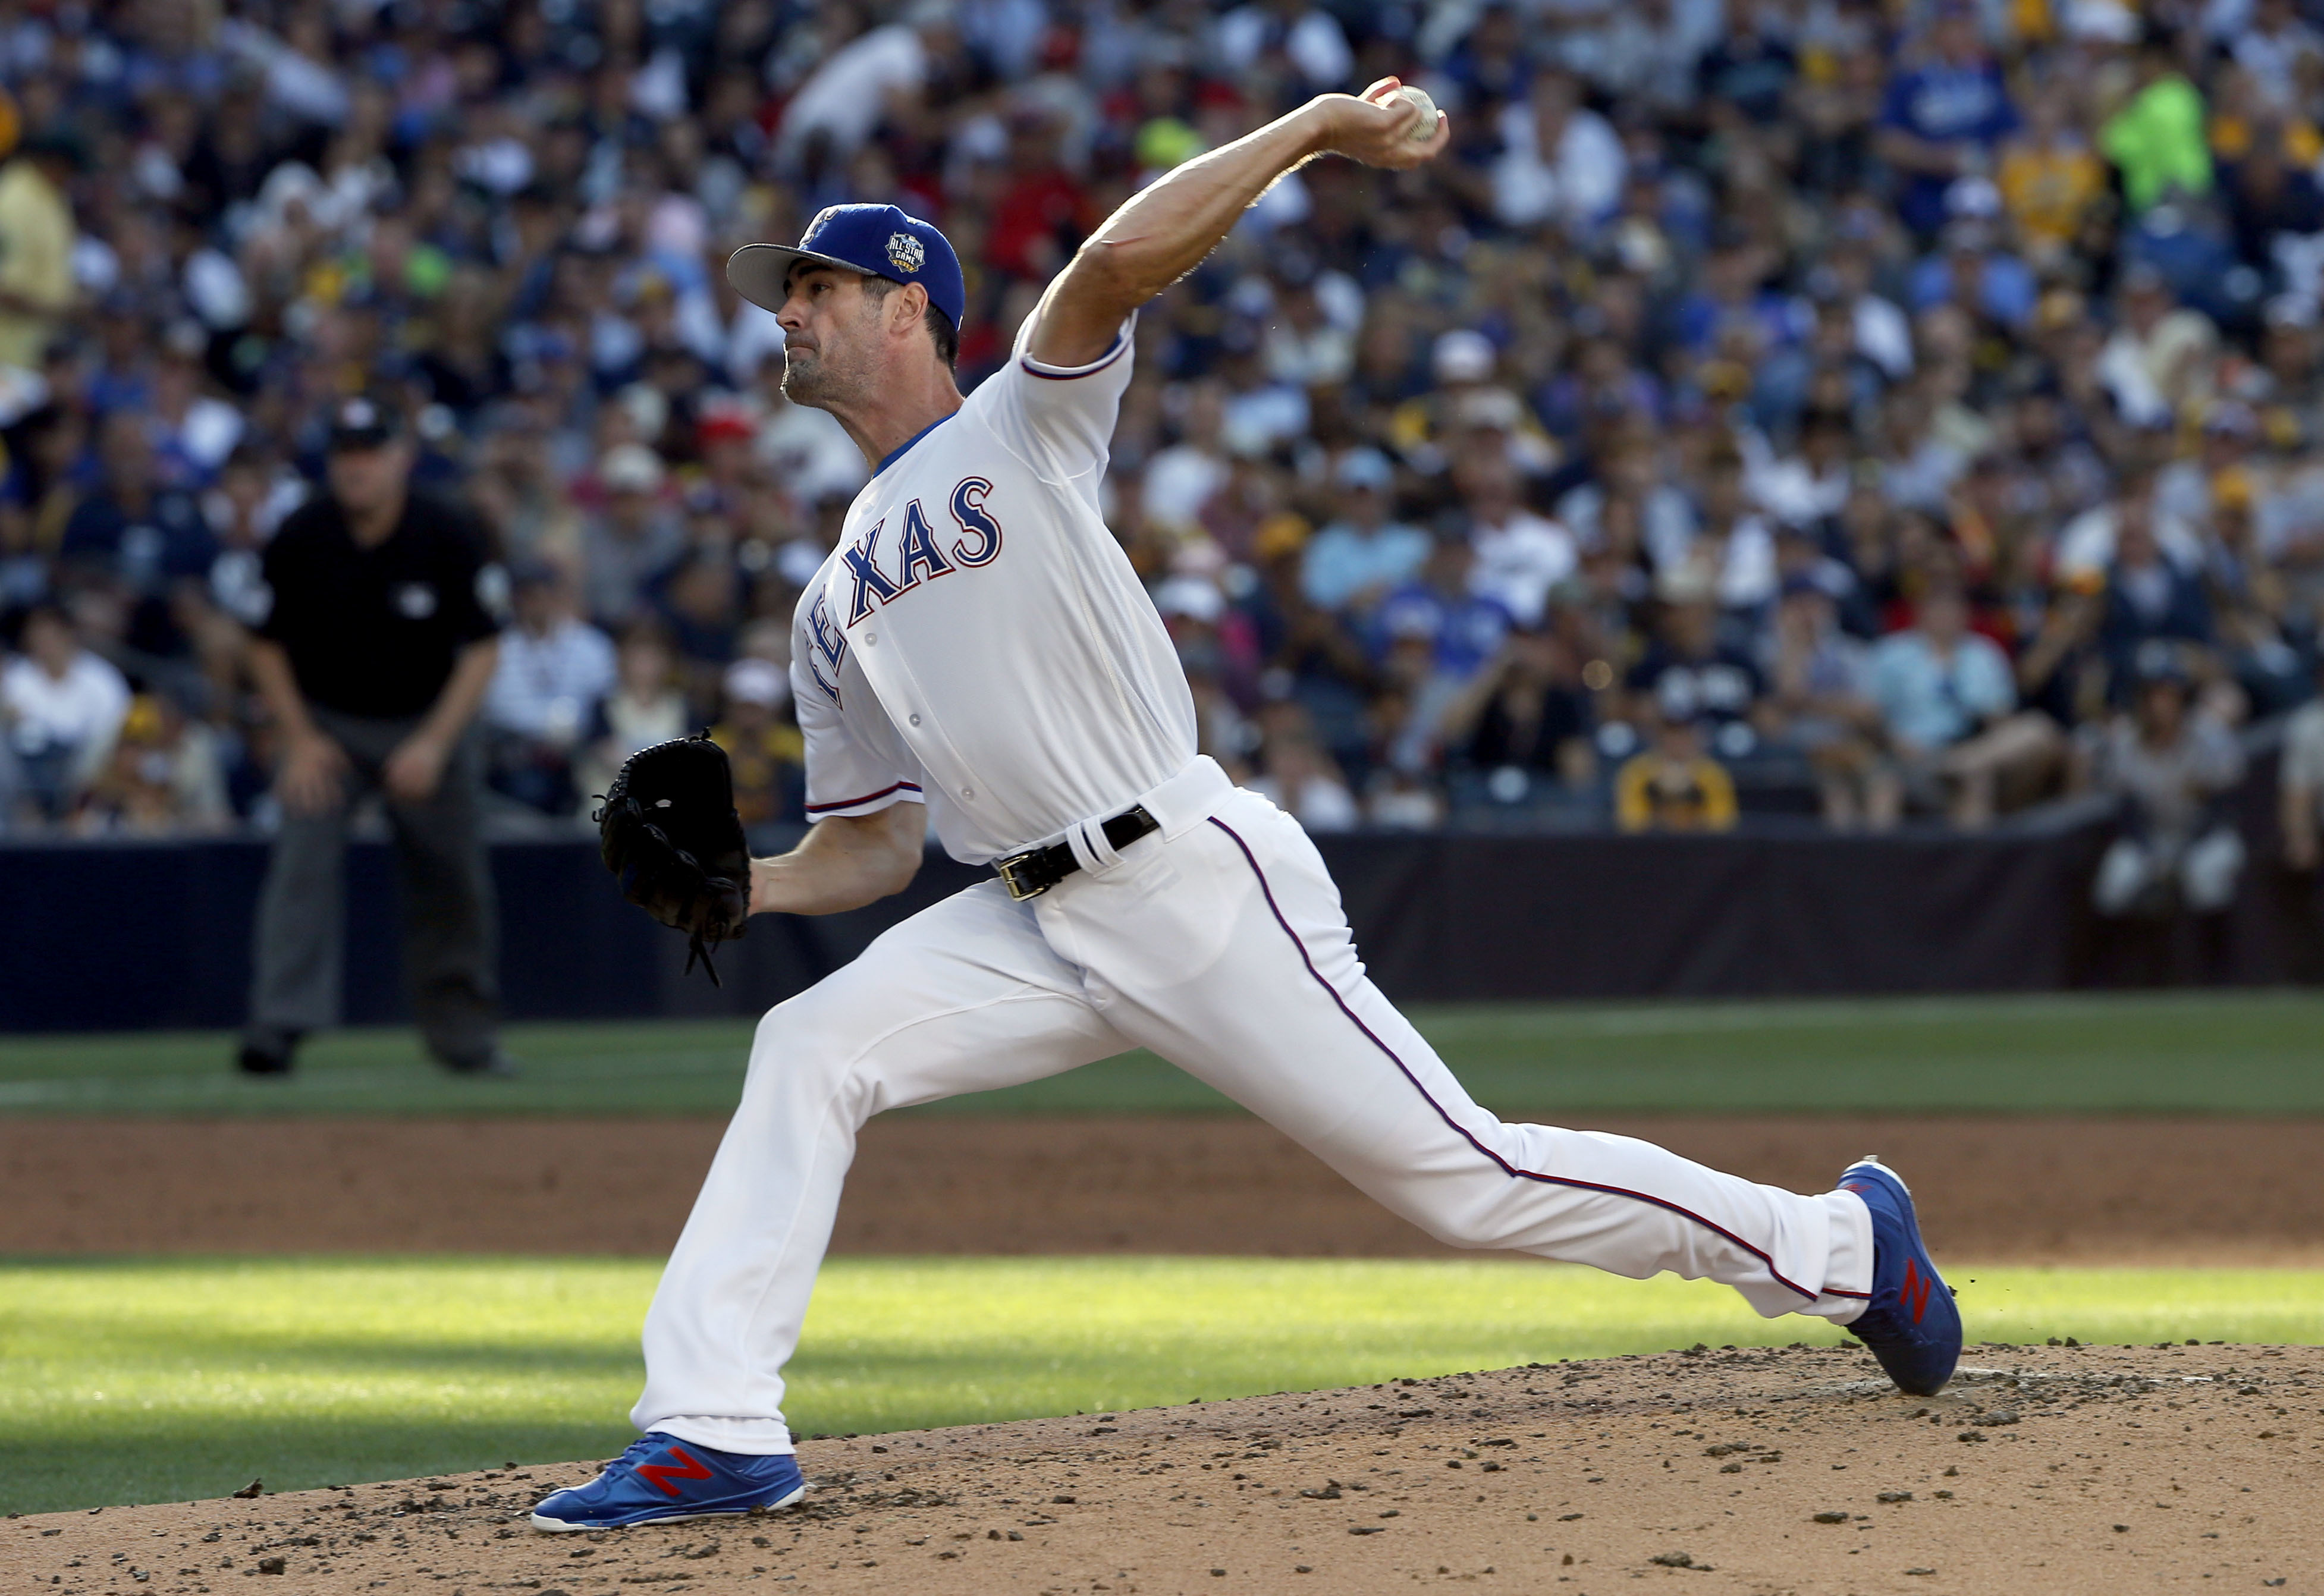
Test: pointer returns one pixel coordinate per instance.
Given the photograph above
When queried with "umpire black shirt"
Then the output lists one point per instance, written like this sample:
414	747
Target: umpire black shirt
376	632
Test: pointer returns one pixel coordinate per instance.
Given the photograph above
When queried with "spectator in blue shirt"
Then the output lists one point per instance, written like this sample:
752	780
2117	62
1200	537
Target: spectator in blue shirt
1943	117
1736	292
1361	555
1971	270
1938	682
1948	700
554	671
1465	628
1454	631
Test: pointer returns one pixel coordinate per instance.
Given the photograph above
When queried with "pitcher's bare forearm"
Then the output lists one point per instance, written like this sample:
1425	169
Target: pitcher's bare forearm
1160	235
843	862
1163	233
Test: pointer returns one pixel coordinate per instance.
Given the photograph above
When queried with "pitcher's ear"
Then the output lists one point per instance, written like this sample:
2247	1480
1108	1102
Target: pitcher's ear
907	307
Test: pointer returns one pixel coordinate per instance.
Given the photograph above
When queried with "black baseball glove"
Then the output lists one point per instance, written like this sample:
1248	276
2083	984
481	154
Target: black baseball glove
670	831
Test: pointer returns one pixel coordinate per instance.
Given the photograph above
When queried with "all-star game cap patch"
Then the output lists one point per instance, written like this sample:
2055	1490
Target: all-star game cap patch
876	240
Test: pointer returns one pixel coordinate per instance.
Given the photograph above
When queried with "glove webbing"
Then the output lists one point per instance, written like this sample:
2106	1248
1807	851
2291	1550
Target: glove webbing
696	946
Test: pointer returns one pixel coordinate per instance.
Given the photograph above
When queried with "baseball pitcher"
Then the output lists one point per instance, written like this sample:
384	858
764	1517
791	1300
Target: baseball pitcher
977	655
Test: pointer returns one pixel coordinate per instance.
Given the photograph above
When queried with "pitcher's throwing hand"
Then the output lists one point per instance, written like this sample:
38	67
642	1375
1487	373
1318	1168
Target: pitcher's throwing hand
1378	128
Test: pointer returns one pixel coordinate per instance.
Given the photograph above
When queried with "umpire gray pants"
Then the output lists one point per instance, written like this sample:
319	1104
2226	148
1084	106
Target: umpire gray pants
450	930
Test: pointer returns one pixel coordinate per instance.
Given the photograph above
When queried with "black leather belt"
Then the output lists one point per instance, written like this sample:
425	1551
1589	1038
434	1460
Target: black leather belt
1036	870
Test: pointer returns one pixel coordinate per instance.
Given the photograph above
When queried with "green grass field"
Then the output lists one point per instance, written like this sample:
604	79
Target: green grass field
131	1380
135	1381
2241	1052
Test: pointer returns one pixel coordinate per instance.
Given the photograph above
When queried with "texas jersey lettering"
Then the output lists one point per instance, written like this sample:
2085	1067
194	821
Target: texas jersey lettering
938	611
918	556
980	541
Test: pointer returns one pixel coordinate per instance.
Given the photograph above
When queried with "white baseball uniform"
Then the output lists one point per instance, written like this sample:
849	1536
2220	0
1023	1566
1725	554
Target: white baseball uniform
978	643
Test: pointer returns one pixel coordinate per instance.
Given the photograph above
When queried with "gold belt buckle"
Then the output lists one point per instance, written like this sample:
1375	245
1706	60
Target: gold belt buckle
1007	870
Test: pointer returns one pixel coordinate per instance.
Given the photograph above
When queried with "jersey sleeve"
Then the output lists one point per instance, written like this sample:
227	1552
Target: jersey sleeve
1058	418
845	776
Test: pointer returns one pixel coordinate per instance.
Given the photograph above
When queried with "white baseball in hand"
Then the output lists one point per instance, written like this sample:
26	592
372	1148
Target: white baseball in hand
1424	126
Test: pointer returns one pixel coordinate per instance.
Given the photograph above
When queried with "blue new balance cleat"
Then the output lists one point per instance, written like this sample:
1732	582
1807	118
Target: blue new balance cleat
660	1478
1913	1325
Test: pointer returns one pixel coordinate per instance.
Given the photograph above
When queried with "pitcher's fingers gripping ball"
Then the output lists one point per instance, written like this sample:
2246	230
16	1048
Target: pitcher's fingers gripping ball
1391	125
1424	126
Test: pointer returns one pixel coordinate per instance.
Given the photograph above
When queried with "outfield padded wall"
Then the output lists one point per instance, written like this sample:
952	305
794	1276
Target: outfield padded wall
129	936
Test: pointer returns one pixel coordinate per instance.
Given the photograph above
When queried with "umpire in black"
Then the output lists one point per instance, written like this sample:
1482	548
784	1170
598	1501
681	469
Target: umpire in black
381	637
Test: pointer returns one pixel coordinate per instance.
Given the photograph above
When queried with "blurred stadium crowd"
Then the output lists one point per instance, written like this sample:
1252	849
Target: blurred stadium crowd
1871	409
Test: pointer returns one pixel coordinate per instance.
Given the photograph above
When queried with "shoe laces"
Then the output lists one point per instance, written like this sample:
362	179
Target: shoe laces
632	1456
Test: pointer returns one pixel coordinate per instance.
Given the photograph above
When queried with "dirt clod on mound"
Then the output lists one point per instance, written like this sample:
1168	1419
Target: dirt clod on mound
1776	1470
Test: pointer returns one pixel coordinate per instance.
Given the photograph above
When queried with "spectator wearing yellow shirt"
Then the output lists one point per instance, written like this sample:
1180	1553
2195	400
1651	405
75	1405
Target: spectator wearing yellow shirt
1674	785
2049	177
36	245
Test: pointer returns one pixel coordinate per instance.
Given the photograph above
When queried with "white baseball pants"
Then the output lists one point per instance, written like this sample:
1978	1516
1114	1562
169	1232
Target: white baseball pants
1219	943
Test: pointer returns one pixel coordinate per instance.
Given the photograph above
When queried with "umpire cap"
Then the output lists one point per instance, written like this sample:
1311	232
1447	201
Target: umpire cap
363	422
874	240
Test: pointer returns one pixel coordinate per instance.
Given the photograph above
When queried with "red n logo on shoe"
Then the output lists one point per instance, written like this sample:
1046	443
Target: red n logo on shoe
1913	1293
661	1474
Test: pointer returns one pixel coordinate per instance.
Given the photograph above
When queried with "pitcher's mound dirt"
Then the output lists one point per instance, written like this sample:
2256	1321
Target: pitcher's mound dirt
2053	1190
2098	1469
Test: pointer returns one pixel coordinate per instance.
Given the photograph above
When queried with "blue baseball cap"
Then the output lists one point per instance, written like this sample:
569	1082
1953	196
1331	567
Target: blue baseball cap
875	240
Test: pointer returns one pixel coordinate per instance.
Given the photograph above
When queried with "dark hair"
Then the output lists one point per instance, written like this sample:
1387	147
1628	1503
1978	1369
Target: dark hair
940	328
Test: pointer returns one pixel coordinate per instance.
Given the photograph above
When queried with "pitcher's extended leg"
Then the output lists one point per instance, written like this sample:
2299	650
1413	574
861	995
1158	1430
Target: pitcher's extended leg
1243	972
965	996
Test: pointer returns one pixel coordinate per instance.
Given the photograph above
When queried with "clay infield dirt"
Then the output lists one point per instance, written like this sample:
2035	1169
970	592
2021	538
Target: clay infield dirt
2055	1190
2067	1470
